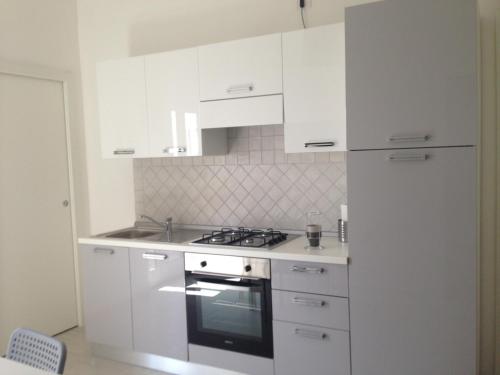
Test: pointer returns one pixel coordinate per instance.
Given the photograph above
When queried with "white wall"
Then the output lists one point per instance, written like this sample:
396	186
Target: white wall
44	33
119	28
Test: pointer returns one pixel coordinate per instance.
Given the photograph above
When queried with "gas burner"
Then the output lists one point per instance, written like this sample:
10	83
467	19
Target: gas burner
217	239
244	237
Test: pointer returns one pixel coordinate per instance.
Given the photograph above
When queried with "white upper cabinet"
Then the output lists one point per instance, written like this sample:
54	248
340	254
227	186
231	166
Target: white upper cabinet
412	75
241	68
122	108
173	103
314	89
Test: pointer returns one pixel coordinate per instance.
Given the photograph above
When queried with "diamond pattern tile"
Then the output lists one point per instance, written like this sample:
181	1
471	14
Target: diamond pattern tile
233	191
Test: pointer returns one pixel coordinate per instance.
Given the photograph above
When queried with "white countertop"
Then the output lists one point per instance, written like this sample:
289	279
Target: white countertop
333	251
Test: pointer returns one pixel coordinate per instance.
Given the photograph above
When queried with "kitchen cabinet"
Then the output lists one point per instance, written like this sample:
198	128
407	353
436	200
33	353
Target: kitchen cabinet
309	320
241	68
106	295
412	74
328	279
122	108
262	110
173	103
412	277
159	303
302	349
320	310
314	89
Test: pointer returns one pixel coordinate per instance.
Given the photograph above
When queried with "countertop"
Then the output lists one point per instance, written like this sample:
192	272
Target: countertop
333	251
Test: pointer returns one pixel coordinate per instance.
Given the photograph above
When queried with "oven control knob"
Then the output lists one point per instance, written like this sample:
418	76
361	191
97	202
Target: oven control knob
204	263
248	268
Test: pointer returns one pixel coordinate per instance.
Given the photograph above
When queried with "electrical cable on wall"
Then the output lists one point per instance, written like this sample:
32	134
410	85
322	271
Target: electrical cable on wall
302	4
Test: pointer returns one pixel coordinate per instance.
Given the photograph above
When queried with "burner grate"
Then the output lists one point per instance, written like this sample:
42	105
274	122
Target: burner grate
243	237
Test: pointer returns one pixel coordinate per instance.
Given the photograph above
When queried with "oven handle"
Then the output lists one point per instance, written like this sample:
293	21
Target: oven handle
224	275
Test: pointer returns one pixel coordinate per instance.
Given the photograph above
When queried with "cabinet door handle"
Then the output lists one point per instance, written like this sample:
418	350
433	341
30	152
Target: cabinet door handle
103	250
310	334
408	157
409	138
247	87
307	269
124	151
154	256
173	150
308	302
319	144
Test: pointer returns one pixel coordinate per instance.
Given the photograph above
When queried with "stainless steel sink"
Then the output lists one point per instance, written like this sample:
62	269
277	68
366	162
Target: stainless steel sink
131	234
179	235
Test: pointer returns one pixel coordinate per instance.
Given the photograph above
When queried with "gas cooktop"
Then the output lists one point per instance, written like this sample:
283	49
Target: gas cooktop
245	237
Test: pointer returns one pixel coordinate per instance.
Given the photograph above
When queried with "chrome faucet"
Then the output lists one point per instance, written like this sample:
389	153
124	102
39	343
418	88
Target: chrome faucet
166	225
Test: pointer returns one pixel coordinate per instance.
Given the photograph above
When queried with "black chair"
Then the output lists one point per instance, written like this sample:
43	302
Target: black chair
37	350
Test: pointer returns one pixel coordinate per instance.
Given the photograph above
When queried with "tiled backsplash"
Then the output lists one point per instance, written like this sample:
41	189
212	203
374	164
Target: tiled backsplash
255	185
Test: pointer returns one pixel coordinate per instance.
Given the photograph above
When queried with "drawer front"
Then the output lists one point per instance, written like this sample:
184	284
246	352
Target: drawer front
318	278
301	349
263	110
318	310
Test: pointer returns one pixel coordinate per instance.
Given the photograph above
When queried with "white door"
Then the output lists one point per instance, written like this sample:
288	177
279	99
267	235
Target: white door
173	103
37	278
314	89
122	108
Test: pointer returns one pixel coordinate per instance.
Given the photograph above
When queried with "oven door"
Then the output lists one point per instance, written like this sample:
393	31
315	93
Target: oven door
230	313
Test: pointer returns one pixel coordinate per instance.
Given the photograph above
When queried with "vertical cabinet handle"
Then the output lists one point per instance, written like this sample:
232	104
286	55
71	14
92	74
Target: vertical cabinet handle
154	256
124	151
246	87
307	269
308	302
103	250
409	138
319	144
310	334
408	157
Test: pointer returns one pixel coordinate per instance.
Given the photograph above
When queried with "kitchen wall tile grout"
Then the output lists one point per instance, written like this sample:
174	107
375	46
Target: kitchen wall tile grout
256	184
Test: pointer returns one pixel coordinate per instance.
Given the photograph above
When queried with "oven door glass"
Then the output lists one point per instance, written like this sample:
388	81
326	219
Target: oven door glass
230	313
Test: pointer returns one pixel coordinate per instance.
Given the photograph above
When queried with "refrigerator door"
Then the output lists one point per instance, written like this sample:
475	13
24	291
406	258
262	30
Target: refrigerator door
412	74
412	276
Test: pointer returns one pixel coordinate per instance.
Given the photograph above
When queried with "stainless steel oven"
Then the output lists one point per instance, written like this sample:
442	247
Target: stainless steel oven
229	303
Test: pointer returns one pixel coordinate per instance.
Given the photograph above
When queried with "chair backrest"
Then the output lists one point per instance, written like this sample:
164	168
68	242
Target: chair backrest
37	350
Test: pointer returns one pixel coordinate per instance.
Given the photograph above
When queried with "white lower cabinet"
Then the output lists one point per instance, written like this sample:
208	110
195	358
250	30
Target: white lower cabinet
106	295
301	349
159	303
310	330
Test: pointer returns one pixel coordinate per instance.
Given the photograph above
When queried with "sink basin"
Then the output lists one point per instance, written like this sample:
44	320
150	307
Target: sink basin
132	234
147	234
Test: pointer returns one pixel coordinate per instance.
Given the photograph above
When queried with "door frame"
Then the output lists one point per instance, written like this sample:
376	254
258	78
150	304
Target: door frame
66	80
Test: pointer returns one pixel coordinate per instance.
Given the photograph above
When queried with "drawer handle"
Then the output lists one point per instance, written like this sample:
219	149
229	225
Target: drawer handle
173	150
408	157
319	144
308	302
124	151
409	138
247	87
310	334
307	269
103	250
154	256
